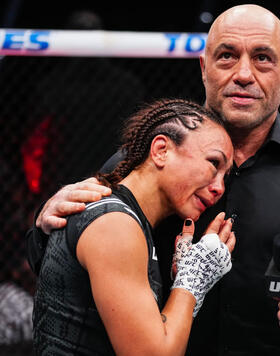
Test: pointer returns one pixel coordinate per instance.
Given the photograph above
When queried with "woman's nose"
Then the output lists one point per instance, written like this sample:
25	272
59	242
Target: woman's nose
217	186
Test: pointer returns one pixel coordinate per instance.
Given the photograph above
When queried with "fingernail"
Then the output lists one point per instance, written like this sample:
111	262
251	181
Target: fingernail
188	222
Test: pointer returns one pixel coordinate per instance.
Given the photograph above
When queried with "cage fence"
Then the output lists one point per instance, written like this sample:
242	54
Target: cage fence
60	120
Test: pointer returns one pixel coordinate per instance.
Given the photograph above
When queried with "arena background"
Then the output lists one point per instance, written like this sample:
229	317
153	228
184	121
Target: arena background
60	117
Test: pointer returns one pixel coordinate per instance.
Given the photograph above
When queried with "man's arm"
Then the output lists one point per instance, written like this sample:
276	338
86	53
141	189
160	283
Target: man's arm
72	198
69	200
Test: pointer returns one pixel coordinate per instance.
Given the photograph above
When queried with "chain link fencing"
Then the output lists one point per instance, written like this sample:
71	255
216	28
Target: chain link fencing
61	119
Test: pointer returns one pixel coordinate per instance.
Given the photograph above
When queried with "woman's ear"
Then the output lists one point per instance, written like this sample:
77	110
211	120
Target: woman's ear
159	149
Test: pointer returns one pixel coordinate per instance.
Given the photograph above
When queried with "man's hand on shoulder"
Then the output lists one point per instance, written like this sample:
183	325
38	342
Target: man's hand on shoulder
69	200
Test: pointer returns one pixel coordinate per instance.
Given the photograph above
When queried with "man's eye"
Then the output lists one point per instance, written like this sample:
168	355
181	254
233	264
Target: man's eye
263	58
226	55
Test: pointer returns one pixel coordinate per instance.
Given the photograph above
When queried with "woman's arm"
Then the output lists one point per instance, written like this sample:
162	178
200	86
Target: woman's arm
113	249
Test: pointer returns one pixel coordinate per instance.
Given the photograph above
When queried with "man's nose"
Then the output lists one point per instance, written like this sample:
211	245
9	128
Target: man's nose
244	72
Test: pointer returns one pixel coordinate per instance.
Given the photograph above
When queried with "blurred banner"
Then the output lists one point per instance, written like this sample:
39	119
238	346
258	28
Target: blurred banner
93	43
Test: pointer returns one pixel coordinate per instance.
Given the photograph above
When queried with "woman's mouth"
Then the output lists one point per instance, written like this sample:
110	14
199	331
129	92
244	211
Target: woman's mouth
200	203
203	203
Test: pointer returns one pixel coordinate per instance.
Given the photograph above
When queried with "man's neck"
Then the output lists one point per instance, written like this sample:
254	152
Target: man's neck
246	144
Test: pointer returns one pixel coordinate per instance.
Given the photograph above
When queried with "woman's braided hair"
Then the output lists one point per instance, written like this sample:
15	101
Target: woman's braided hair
169	117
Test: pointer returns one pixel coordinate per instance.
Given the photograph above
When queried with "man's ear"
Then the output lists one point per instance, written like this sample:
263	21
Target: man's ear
159	149
202	66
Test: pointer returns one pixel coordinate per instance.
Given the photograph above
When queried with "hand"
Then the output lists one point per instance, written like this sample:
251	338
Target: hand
222	227
217	226
202	264
70	199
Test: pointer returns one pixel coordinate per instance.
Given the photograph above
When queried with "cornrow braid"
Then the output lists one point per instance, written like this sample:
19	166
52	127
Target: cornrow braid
170	117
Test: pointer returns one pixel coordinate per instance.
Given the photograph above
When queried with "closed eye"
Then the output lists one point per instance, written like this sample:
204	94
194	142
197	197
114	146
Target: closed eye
214	162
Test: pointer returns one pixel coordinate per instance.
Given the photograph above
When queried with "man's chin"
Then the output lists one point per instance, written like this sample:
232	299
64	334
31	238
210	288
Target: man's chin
240	118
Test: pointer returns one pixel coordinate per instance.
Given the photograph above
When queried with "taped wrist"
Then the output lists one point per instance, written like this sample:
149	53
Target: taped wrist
185	243
200	266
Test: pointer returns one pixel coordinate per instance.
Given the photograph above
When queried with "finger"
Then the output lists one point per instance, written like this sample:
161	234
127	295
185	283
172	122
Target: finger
64	208
92	186
57	210
225	230
42	212
85	196
53	222
188	227
231	242
187	232
216	224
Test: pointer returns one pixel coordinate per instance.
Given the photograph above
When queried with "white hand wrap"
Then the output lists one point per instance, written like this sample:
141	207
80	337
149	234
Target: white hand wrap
200	266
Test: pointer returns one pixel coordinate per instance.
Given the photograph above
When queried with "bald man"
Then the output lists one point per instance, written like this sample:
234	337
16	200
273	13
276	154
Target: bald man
241	75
